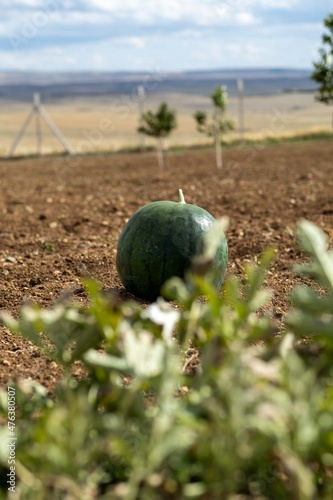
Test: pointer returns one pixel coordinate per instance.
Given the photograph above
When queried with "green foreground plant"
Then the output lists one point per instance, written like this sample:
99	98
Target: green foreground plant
255	419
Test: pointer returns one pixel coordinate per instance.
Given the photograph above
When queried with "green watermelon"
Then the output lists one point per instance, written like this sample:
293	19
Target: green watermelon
159	241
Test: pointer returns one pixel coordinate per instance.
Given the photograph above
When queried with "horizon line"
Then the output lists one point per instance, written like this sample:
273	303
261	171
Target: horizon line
139	71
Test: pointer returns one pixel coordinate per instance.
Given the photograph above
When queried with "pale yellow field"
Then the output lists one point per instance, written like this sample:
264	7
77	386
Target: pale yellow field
95	124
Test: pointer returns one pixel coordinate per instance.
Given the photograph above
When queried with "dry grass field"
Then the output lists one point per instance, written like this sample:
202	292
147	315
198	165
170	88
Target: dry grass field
105	123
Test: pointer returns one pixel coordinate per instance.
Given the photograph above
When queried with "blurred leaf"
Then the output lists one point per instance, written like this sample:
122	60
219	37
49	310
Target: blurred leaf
164	315
104	361
144	355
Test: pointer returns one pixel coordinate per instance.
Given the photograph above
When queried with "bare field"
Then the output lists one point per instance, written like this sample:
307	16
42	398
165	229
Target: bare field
94	124
60	224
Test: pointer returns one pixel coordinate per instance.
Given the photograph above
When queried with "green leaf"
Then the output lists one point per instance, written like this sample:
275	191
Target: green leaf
104	361
158	124
313	241
308	300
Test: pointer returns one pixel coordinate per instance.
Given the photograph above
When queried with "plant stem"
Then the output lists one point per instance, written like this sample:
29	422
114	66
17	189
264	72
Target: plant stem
181	197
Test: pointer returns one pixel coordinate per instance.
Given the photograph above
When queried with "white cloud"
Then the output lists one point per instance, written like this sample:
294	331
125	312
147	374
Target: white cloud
126	14
187	11
131	41
280	4
121	34
273	4
21	3
189	34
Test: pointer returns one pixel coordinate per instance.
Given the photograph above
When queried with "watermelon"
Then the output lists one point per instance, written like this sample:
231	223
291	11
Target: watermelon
159	241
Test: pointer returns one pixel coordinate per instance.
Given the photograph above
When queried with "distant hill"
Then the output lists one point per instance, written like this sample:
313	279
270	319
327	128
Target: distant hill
54	86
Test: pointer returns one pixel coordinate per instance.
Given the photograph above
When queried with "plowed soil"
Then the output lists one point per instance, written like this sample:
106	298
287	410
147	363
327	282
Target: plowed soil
62	218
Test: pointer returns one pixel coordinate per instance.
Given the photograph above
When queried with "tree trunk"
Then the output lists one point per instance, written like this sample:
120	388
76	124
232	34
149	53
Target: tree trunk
160	154
218	146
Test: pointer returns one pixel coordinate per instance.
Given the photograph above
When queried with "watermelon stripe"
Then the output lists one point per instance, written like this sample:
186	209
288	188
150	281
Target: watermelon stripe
166	246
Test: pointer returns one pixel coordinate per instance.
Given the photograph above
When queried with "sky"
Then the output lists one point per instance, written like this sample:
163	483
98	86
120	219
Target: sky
173	35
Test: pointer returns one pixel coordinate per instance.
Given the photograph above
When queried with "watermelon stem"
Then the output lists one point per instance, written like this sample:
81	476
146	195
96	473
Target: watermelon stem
181	196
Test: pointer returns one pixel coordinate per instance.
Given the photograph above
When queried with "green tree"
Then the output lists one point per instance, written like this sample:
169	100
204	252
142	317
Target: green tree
159	125
323	68
219	124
